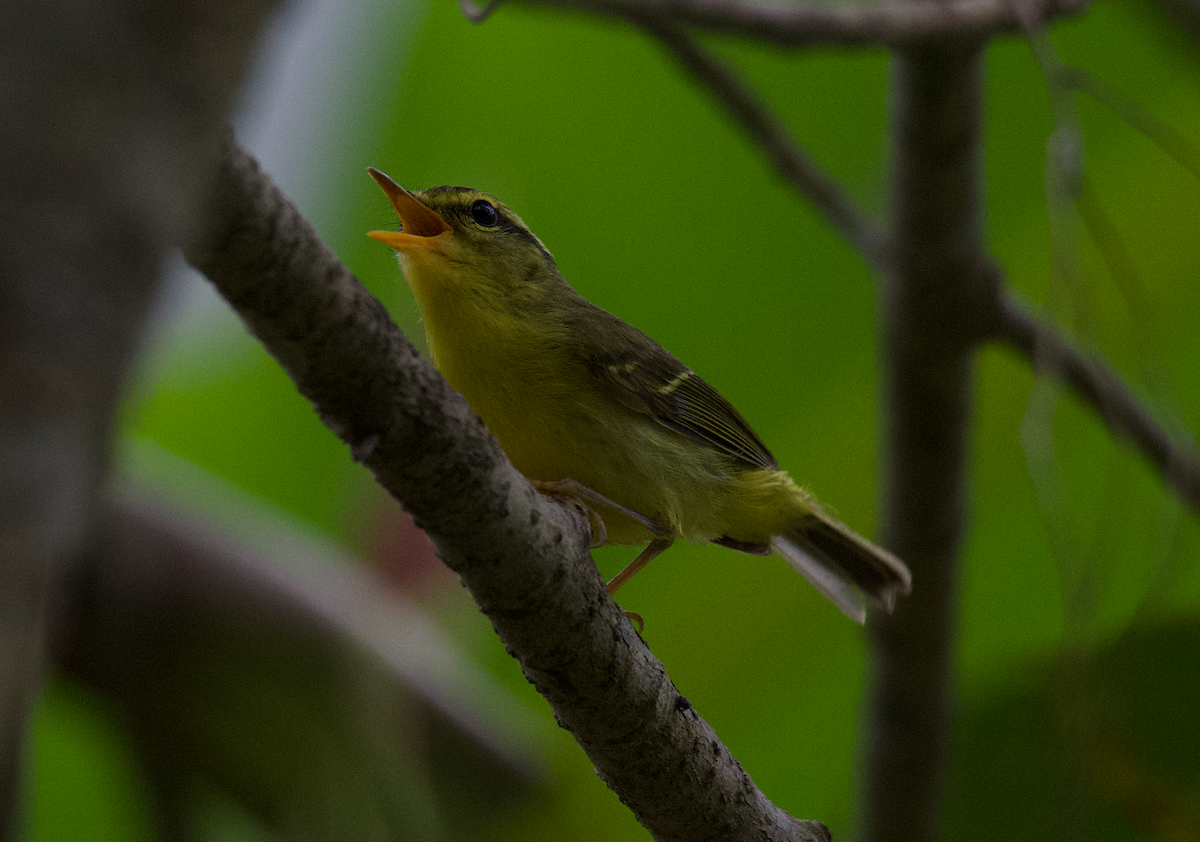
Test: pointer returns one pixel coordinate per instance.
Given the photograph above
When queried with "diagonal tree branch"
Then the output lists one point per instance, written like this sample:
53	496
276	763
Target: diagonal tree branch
1103	389
791	160
845	24
522	555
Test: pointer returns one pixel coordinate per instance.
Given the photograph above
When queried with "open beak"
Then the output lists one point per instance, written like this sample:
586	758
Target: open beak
420	225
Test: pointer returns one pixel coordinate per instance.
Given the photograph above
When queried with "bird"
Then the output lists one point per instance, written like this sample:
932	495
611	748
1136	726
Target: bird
588	407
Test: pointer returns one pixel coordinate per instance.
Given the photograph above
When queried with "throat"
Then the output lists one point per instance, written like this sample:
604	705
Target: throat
482	349
509	358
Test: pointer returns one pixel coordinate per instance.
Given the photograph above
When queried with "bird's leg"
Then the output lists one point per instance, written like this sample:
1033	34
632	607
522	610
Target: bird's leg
644	557
663	537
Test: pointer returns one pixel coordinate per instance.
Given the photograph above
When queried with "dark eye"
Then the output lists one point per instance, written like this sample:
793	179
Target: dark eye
484	214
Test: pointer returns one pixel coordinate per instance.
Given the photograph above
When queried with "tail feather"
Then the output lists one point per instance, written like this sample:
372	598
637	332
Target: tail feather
845	567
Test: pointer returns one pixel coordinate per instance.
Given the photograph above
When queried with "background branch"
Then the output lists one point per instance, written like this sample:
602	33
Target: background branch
522	555
1101	388
785	153
104	147
929	299
845	24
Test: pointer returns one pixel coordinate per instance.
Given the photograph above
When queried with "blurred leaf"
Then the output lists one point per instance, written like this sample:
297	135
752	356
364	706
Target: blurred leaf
86	782
1100	745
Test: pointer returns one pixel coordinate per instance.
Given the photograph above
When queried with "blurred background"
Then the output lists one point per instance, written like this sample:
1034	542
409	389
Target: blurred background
1079	628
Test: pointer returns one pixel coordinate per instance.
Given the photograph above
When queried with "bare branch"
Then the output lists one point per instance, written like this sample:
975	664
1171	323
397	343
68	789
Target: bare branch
932	301
522	555
886	23
1103	389
790	159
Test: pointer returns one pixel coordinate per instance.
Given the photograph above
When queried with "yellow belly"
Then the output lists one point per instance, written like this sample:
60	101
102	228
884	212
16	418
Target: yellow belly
690	489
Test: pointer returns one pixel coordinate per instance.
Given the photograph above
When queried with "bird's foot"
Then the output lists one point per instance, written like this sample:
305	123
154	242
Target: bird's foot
570	489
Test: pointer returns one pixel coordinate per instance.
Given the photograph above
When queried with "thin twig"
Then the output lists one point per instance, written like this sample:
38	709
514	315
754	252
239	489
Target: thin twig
791	160
1169	139
863	24
1102	389
522	555
1091	377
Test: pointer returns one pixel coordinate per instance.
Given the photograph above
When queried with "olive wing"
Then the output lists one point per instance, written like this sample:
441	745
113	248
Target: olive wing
640	374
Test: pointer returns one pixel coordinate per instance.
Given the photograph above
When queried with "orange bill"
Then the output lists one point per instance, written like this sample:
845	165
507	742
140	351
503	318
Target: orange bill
418	222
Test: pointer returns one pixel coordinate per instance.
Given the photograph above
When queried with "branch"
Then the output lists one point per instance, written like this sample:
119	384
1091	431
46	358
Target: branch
847	24
790	159
932	299
522	555
1102	388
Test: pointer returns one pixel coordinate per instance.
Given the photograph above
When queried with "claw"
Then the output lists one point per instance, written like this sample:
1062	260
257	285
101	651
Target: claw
571	490
599	532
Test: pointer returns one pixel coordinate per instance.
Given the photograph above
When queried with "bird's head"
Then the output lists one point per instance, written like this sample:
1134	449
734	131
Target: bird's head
457	235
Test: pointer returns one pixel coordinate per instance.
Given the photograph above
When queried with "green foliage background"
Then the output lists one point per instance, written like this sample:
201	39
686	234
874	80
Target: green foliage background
1080	581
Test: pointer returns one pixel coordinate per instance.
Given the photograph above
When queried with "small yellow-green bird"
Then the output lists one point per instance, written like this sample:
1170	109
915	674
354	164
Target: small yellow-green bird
589	407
